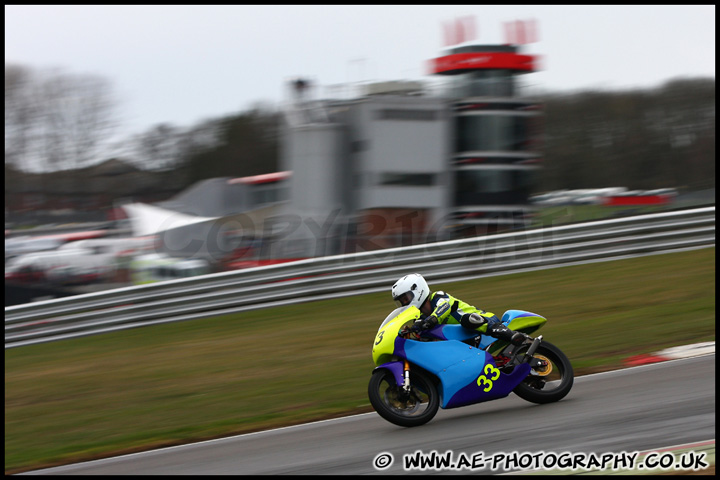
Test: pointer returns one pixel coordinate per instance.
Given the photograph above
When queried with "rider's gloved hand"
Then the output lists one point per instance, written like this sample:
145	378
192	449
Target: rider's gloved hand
425	323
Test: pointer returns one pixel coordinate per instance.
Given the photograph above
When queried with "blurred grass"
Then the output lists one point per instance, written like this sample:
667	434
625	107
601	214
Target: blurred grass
564	214
167	384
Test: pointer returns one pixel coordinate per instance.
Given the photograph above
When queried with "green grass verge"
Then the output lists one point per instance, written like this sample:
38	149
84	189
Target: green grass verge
564	214
168	384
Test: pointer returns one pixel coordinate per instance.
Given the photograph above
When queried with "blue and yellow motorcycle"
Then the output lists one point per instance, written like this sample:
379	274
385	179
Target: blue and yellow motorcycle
450	366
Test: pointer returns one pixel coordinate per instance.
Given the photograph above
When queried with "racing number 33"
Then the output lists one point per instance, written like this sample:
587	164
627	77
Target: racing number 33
484	380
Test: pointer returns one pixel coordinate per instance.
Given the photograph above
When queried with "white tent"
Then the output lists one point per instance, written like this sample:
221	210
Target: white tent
151	220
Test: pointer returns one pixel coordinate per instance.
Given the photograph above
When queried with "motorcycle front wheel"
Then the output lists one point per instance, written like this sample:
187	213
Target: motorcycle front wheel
549	383
394	404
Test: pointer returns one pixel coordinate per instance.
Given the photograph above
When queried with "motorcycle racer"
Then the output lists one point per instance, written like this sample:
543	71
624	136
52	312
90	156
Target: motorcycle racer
441	308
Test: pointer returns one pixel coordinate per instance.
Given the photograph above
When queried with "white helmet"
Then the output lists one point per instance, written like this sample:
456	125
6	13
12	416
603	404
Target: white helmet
410	290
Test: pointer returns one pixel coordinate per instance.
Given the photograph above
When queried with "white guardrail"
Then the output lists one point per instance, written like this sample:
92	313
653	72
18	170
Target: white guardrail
344	275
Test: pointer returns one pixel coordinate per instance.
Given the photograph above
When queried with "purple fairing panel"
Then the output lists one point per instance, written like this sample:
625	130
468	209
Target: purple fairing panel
399	349
396	368
501	387
436	332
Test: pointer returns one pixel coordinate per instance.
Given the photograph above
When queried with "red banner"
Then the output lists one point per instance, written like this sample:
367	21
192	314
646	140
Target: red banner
637	200
477	61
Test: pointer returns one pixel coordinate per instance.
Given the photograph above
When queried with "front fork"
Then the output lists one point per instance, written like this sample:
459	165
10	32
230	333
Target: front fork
406	376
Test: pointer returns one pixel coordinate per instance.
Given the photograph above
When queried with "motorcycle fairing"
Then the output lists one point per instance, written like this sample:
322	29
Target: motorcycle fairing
458	366
396	368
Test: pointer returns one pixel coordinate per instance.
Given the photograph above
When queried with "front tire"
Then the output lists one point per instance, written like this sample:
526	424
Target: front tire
552	383
411	409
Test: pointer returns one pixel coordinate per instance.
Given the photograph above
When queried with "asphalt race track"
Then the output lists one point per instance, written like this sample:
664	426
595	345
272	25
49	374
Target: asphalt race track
635	409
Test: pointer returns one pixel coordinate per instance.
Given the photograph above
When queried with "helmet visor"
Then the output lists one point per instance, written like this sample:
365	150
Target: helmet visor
404	299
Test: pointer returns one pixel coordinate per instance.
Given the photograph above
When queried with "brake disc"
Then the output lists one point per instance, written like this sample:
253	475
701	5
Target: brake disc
545	370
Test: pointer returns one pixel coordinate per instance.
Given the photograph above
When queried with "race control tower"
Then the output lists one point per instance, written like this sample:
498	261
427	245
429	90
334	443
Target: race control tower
497	143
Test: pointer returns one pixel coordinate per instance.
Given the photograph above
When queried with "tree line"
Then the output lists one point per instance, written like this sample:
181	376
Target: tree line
56	120
641	138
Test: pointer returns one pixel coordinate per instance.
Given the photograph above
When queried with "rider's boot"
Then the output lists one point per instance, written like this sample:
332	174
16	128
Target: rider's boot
500	331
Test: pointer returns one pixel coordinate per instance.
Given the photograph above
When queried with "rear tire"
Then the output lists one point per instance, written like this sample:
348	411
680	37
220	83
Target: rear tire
549	386
406	410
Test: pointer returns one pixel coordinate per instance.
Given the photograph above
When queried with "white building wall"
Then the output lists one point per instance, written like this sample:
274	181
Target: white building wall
314	155
416	144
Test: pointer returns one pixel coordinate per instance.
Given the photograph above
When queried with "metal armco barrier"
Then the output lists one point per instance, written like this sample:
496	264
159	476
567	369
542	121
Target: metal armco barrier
344	275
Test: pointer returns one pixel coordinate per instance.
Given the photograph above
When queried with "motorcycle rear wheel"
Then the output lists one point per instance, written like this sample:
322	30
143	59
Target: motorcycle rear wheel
550	384
411	409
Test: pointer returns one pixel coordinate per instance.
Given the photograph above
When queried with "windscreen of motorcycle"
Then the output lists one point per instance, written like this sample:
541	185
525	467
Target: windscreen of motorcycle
408	312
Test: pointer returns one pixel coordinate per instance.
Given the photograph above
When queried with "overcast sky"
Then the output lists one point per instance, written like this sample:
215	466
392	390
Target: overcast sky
183	64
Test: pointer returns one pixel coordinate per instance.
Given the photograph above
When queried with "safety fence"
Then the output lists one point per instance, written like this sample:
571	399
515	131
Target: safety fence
345	275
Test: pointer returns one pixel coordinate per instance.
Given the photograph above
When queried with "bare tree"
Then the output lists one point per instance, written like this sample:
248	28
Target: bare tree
77	118
56	120
19	114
